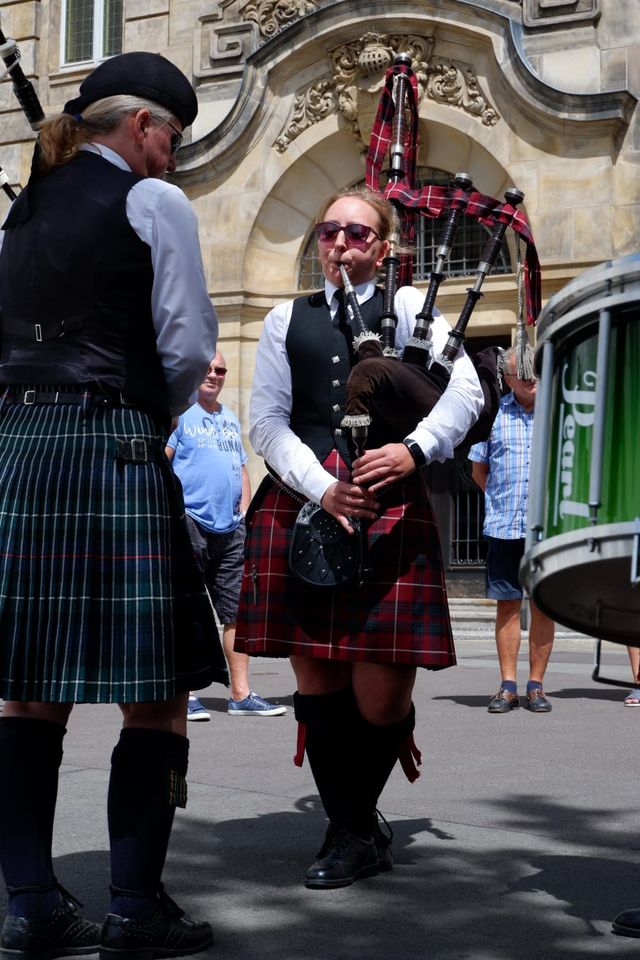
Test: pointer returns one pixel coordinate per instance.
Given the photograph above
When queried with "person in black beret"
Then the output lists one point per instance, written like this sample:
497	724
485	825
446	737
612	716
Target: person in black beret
106	329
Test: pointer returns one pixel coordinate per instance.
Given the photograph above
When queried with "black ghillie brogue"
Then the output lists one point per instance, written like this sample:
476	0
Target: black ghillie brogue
627	923
343	859
62	934
164	930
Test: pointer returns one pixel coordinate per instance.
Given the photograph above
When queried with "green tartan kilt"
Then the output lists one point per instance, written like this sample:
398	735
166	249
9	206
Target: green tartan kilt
100	597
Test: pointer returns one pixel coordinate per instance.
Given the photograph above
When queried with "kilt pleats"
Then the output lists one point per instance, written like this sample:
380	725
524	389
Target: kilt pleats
100	597
400	616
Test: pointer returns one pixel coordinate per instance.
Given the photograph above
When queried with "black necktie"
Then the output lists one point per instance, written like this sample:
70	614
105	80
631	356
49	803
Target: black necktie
341	320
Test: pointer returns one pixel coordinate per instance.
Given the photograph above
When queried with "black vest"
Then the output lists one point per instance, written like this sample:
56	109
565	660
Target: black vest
320	358
76	286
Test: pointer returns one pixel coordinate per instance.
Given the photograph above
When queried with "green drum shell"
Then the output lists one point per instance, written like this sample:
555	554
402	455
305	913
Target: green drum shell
571	429
581	568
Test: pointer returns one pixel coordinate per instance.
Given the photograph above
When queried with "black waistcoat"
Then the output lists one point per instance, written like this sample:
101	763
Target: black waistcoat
75	282
320	358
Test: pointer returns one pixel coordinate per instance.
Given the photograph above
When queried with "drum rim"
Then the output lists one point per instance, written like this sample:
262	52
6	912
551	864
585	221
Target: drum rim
601	532
582	288
561	328
611	535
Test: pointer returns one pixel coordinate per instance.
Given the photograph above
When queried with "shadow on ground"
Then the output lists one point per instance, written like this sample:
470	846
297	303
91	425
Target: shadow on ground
447	899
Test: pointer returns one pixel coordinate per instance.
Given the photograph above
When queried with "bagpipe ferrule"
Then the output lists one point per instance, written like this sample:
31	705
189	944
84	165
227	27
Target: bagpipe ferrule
355	420
366	337
419	344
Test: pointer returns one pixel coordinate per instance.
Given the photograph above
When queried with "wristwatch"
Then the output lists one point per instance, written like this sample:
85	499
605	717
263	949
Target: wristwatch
416	452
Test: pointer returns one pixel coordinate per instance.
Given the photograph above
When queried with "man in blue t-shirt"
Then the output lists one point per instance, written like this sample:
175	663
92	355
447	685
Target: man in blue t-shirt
208	457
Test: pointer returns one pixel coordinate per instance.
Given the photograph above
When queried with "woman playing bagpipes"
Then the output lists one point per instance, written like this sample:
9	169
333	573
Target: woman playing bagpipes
354	647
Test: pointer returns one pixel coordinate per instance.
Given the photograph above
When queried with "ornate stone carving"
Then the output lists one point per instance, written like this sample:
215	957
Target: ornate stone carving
458	86
540	13
356	76
271	16
221	48
310	106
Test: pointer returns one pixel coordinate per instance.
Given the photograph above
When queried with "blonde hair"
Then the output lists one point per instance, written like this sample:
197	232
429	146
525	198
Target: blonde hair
385	210
61	137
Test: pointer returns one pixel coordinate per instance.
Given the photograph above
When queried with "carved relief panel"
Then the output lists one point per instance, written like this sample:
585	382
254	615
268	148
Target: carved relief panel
352	85
235	28
541	13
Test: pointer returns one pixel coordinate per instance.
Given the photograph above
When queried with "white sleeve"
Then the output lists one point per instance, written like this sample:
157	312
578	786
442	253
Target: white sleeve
459	406
183	316
270	412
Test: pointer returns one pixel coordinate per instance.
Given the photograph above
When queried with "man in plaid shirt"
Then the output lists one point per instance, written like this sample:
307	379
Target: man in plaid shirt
501	470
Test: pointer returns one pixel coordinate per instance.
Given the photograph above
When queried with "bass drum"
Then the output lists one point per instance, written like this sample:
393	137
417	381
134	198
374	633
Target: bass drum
581	564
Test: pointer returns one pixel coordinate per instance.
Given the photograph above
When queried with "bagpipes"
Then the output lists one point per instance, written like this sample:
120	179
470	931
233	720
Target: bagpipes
387	396
24	91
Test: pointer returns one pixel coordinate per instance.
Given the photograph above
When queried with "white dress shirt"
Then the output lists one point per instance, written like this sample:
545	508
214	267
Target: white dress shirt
270	408
184	319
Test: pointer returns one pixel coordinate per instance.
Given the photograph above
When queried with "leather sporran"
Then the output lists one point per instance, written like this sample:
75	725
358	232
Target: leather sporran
321	552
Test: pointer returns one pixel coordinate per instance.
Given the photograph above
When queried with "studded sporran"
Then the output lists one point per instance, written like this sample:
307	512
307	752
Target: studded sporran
321	552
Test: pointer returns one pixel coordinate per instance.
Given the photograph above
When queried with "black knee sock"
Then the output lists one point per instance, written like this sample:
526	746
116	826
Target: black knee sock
30	756
380	748
148	769
332	731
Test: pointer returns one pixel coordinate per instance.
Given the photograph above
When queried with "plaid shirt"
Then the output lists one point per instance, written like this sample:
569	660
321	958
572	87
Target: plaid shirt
507	452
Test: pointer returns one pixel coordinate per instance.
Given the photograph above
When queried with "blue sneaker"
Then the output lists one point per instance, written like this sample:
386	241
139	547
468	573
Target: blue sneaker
254	706
195	710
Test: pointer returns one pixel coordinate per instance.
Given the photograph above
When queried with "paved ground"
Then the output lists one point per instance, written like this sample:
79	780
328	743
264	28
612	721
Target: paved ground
519	841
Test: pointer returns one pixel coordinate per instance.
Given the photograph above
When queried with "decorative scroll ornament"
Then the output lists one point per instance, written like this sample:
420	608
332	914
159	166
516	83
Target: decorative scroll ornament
357	72
272	16
311	105
458	86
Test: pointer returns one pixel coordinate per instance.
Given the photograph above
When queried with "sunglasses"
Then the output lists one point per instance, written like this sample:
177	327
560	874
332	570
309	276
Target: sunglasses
514	376
220	371
354	233
176	136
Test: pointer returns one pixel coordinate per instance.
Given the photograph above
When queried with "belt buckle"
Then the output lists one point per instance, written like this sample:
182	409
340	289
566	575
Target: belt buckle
29	397
133	451
139	451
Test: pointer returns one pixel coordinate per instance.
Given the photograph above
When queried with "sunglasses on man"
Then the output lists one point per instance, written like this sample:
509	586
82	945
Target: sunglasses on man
176	137
354	233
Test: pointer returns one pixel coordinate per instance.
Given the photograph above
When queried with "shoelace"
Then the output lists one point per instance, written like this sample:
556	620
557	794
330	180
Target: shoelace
379	834
67	898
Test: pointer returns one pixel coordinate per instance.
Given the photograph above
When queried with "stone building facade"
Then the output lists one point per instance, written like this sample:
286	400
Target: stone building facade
540	94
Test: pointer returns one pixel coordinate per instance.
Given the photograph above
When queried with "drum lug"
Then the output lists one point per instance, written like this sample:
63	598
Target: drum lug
593	544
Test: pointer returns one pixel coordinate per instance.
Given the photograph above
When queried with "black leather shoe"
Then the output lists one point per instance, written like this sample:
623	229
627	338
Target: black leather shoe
342	859
164	931
503	702
62	934
537	702
627	923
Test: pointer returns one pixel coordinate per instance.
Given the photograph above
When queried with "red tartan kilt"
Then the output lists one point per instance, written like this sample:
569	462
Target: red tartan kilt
400	616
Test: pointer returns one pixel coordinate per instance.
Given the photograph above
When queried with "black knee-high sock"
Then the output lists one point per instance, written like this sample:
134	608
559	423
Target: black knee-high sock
332	732
379	751
148	769
30	757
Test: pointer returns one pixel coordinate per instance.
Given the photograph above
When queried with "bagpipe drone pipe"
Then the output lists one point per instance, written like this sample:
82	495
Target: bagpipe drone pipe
386	395
25	93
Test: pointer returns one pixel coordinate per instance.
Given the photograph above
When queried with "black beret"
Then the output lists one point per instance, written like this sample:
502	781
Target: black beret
139	74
